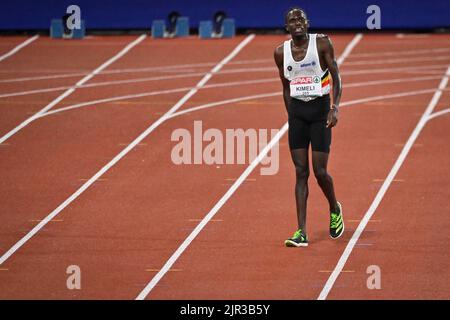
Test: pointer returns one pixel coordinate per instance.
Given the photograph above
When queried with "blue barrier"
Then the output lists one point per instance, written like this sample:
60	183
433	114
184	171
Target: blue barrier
182	27
205	29
56	28
158	28
79	33
228	28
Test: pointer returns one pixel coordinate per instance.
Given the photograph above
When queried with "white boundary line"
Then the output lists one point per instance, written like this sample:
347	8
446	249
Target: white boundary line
387	182
149	287
101	84
396	61
438	114
167	68
218	85
19	47
196	74
397	53
273	94
140	95
70	91
210	214
196	65
125	151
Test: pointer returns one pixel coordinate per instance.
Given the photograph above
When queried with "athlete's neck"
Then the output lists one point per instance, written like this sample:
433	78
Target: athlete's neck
300	40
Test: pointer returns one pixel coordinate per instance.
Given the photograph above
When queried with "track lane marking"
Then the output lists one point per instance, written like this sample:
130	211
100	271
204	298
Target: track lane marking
18	47
382	191
70	91
125	151
174	257
219	85
225	72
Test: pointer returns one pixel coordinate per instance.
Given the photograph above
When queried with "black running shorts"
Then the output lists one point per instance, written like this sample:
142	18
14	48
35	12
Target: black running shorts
307	124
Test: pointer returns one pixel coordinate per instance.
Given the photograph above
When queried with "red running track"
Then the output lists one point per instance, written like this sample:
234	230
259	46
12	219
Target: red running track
123	228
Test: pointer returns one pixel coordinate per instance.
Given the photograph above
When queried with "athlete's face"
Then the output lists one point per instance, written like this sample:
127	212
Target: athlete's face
297	23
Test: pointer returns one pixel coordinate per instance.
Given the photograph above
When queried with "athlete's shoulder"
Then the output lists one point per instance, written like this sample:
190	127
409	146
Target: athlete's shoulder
322	37
278	54
324	41
279	49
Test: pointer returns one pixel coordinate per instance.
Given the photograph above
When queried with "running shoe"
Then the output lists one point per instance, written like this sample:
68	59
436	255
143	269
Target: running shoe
336	223
299	239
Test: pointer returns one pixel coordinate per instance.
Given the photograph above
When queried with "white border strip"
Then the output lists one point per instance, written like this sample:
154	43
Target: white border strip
19	47
387	182
71	90
124	152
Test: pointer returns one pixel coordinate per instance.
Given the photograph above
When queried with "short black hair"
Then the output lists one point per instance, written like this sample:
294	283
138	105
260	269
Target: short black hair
292	9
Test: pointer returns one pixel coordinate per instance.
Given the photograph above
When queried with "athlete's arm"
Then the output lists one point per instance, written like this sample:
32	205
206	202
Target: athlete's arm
278	56
327	51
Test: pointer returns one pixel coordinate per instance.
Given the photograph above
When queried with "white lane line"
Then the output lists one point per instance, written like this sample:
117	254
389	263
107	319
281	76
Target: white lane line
140	95
349	48
168	68
397	53
167	266
397	80
399	60
71	75
391	70
101	84
196	74
218	85
19	47
390	96
224	102
58	76
411	36
387	182
120	98
438	114
70	91
124	152
277	93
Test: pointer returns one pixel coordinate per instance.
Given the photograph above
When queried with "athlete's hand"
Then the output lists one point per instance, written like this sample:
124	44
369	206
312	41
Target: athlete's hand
332	118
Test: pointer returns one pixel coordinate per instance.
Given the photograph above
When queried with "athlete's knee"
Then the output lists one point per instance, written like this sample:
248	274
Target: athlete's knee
302	172
321	174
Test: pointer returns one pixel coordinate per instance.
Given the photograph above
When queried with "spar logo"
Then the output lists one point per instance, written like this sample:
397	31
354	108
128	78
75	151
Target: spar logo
306	80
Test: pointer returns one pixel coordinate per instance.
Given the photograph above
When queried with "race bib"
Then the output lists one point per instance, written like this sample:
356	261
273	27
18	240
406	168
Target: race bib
306	87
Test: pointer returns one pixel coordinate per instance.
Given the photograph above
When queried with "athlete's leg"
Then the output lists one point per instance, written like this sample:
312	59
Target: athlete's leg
325	181
300	159
320	143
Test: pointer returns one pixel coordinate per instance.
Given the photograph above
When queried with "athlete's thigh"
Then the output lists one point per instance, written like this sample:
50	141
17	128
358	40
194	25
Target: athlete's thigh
299	134
320	136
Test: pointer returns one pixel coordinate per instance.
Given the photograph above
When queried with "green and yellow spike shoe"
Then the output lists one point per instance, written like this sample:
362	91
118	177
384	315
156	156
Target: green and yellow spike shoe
336	223
299	239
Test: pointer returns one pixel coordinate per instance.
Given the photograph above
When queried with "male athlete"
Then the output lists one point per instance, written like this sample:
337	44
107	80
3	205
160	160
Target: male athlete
305	63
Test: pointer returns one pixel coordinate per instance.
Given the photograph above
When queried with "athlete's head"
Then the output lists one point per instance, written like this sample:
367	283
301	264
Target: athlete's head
297	22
